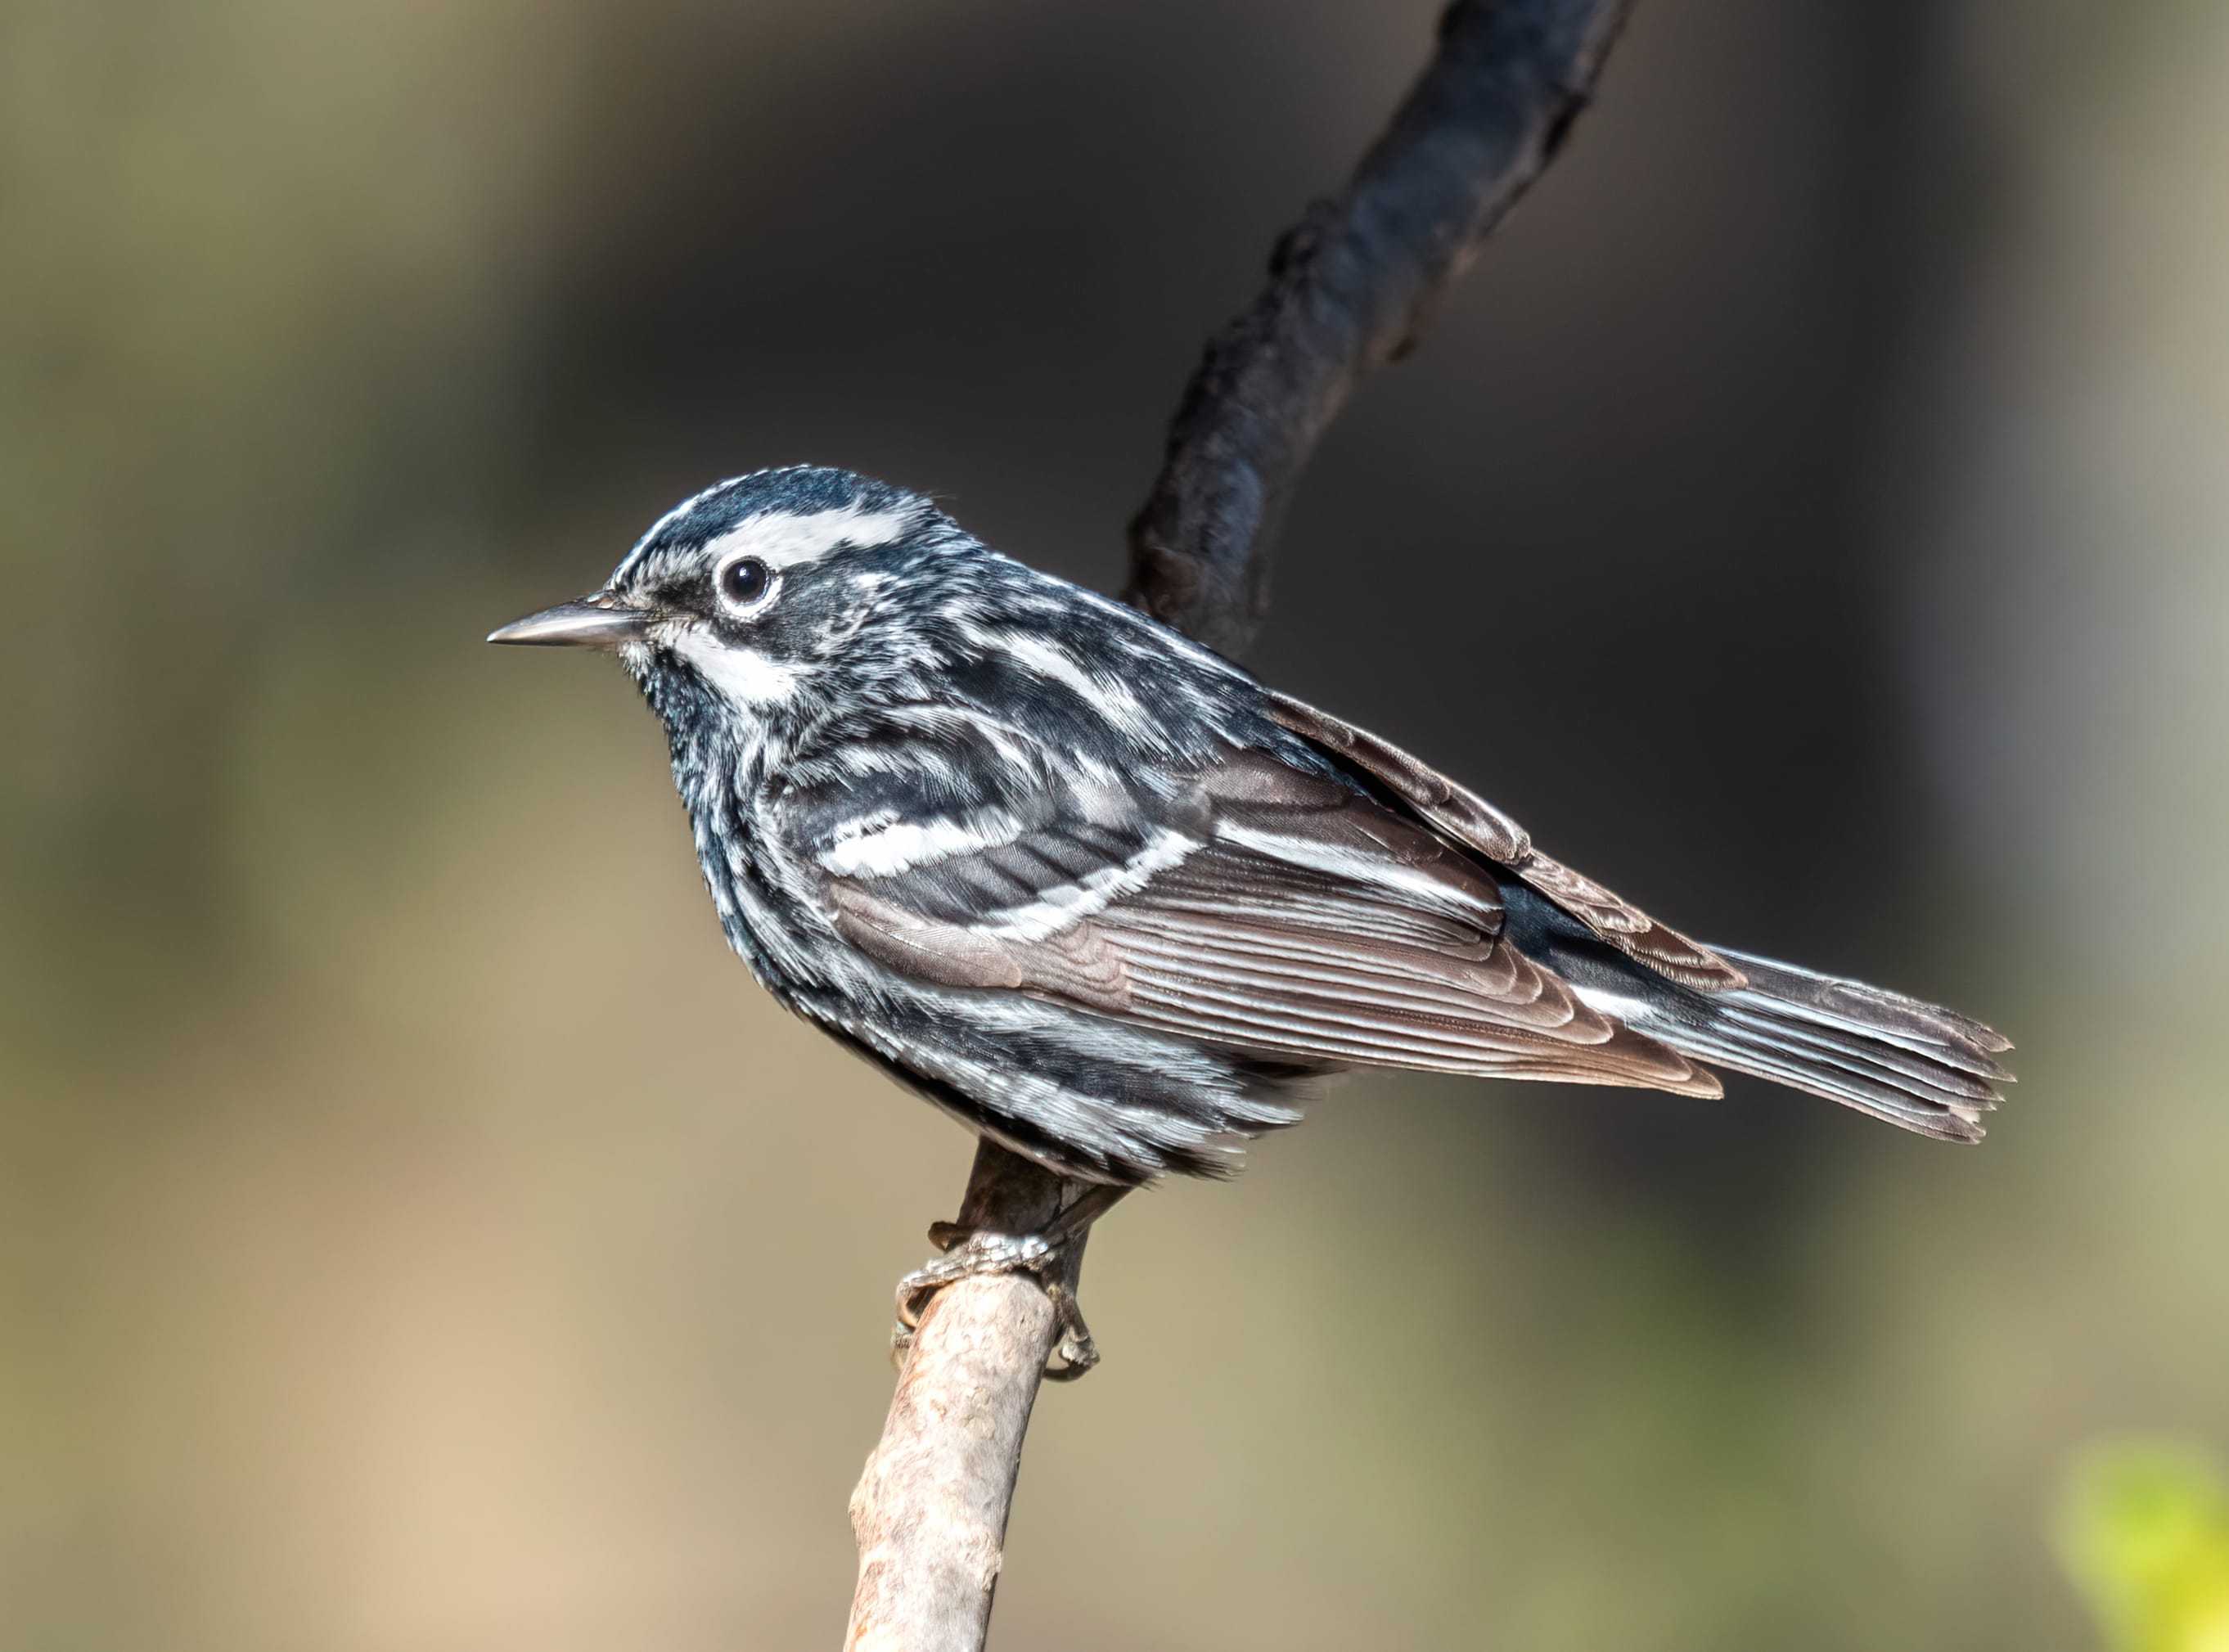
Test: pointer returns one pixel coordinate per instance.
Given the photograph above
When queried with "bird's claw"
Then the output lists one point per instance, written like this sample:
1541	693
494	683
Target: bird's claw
969	1255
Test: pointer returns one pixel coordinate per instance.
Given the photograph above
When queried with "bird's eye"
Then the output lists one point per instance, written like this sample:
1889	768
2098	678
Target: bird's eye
745	581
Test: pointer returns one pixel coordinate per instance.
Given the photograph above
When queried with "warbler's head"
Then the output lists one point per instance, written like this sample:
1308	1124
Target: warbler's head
746	593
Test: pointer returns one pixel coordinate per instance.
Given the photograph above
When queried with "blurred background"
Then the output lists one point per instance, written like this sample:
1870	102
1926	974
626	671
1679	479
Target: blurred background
403	1242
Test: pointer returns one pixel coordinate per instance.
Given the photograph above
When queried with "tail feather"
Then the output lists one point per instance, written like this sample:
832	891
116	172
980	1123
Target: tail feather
1874	1058
1918	1065
1882	1098
1876	1009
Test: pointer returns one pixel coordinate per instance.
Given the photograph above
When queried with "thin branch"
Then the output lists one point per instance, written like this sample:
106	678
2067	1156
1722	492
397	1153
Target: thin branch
930	1509
1349	288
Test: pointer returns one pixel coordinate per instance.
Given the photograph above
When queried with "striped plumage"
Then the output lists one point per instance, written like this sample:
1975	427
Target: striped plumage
1105	898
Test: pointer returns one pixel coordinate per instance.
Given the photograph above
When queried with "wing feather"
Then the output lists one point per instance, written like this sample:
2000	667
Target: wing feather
1628	1059
1471	820
1270	909
1307	973
1307	992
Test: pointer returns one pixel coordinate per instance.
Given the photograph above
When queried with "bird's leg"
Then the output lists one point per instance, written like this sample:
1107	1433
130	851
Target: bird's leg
970	1252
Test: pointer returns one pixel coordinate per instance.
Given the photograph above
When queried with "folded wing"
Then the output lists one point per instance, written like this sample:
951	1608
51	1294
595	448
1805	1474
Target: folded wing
1264	908
1473	821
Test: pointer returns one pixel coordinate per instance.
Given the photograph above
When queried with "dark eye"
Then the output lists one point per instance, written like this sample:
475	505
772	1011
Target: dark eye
745	582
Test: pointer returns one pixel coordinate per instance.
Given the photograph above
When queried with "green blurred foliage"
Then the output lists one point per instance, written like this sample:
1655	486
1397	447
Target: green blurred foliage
2145	1533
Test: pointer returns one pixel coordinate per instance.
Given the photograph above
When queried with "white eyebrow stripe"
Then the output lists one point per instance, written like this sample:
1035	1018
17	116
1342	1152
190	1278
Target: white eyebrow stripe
782	540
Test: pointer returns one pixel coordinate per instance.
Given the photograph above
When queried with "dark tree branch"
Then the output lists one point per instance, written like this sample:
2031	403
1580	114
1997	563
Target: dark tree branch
1350	287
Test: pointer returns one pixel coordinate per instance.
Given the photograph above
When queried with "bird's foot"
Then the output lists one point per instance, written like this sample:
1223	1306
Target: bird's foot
970	1254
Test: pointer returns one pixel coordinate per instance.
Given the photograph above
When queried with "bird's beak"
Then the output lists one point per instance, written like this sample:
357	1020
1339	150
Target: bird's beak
592	623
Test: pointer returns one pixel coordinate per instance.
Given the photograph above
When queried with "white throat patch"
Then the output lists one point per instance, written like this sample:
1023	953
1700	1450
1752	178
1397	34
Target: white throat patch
744	675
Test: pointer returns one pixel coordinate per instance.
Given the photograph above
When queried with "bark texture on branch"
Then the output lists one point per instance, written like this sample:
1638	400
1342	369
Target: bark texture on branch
1349	288
930	1509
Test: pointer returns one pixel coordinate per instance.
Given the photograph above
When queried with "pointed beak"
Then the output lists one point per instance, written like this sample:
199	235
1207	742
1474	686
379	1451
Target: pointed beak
591	624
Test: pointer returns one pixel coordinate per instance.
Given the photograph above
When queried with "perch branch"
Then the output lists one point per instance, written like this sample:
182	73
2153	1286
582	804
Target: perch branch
930	1510
1349	288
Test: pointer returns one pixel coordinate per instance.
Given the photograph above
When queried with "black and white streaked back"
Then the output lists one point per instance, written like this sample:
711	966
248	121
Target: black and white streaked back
907	701
1096	891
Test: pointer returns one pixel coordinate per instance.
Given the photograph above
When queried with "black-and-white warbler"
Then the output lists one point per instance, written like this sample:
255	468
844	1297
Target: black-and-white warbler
1105	898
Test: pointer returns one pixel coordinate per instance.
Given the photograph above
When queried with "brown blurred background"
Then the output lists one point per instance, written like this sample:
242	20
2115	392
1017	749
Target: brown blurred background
1808	517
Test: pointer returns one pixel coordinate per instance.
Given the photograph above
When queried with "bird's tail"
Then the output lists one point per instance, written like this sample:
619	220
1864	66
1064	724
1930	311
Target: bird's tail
1918	1065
